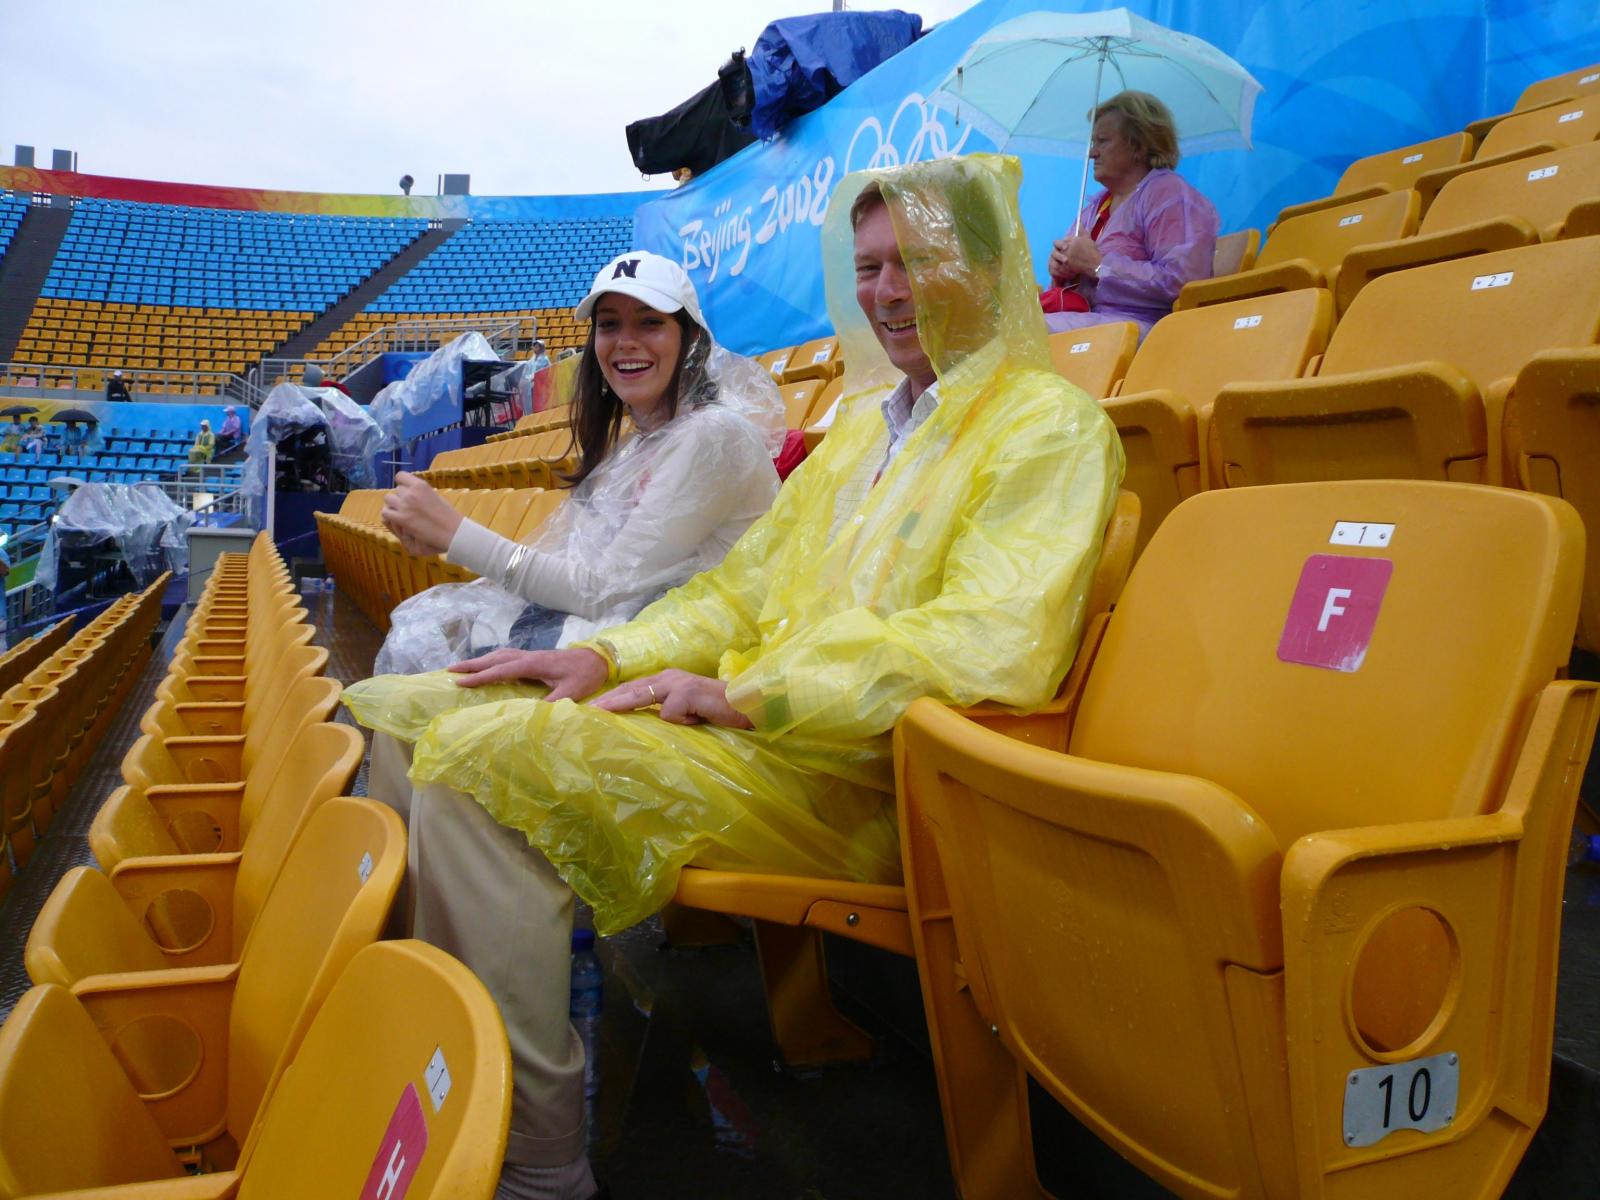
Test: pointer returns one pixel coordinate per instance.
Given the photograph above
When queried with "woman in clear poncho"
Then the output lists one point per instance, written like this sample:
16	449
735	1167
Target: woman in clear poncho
648	509
953	562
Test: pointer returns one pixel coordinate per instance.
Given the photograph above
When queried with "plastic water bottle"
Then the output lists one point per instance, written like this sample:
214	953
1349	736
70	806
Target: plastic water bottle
1584	848
588	982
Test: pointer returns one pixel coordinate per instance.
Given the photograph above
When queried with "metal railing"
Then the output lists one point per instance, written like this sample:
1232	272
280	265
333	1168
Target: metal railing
509	336
176	387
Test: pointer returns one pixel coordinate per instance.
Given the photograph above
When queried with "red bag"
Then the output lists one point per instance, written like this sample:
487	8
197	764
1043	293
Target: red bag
1062	300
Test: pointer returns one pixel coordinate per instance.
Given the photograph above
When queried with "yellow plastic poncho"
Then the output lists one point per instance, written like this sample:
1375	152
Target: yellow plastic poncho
962	575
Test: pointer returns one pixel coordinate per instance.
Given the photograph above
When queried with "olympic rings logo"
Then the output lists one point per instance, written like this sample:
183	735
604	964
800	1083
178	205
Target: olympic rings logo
930	139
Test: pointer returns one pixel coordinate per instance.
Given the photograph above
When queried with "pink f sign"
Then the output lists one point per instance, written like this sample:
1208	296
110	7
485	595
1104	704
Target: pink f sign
1334	611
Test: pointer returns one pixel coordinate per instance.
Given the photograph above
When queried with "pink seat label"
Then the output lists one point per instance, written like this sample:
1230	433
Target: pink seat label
1334	611
400	1153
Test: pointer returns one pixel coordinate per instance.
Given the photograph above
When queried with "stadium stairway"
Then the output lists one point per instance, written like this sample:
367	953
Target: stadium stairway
303	343
25	267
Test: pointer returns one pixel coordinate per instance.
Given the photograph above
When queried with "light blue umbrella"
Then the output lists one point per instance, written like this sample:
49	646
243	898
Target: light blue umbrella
1031	84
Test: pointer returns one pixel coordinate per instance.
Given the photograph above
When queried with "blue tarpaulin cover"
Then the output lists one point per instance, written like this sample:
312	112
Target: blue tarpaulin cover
800	62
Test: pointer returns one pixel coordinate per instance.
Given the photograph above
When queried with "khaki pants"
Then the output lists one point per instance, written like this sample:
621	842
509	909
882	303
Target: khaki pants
477	890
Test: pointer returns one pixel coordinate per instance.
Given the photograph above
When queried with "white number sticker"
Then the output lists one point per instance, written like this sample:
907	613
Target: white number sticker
1588	79
821	355
1247	322
1410	158
1080	348
364	867
1353	219
1420	1094
1544	173
1571	116
778	364
1492	281
1361	533
437	1076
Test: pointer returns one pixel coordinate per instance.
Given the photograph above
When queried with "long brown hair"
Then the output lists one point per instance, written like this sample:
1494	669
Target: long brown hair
597	411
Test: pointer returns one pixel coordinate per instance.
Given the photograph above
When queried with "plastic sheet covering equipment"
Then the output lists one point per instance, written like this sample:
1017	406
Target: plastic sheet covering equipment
662	507
962	574
138	523
800	62
433	398
287	410
697	134
354	438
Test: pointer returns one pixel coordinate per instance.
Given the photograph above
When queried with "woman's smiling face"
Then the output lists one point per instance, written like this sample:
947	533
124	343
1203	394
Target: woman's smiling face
638	350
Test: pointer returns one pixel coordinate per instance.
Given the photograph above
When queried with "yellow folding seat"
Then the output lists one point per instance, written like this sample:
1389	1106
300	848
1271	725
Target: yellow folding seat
776	361
816	359
791	912
1394	170
403	1023
1520	135
203	1046
1282	920
798	401
1163	405
1415	378
1236	252
1096	358
1515	203
1306	251
1557	411
209	818
1579	84
160	911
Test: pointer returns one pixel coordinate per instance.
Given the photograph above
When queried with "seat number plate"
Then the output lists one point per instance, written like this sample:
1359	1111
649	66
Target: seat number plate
1352	219
1420	1094
1411	158
1574	115
1544	172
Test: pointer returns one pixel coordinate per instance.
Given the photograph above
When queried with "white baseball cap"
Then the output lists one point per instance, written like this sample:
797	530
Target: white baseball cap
648	278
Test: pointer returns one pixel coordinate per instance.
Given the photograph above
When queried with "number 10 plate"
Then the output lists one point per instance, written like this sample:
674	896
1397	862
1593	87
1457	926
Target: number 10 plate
1420	1094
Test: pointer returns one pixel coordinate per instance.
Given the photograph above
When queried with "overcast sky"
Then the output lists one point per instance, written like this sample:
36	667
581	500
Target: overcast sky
348	95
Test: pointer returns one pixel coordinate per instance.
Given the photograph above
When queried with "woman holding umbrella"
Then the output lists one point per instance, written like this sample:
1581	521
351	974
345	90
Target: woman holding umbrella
1143	237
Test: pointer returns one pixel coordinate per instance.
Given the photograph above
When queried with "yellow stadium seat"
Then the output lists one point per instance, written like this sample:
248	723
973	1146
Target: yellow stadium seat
798	401
1236	252
209	818
1520	135
1280	876
203	1046
776	361
1556	406
816	359
1515	203
1391	171
1163	405
1415	378
1306	251
1096	357
1579	84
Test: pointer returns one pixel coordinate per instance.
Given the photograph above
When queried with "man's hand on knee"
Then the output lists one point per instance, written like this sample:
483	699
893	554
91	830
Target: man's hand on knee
685	699
569	674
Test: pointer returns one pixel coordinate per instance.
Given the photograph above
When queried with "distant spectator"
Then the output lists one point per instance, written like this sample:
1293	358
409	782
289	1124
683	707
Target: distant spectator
74	438
33	438
116	389
11	439
315	377
232	429
205	444
542	378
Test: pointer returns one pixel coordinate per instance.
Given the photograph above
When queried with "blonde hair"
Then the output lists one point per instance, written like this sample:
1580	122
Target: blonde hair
1147	124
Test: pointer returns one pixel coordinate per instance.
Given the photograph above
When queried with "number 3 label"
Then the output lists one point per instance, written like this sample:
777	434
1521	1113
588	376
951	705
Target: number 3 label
1420	1094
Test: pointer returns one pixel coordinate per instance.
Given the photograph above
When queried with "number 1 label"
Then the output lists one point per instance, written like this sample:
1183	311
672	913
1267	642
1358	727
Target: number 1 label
1420	1094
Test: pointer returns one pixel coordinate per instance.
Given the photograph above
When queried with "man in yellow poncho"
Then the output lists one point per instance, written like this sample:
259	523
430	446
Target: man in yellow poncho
940	542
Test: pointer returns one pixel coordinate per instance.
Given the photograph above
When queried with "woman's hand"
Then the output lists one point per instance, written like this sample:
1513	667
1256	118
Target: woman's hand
685	699
421	518
1073	256
569	674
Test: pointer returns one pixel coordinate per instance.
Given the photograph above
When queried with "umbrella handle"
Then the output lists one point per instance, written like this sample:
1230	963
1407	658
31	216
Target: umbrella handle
1083	184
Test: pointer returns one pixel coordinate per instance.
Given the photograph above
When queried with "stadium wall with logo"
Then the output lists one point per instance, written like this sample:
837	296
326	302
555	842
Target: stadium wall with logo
1342	78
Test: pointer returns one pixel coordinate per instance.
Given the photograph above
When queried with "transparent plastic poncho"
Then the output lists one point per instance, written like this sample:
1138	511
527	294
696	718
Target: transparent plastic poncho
960	573
662	507
139	523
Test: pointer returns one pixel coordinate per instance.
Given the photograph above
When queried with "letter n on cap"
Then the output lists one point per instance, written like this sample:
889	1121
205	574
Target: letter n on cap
1334	611
628	267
